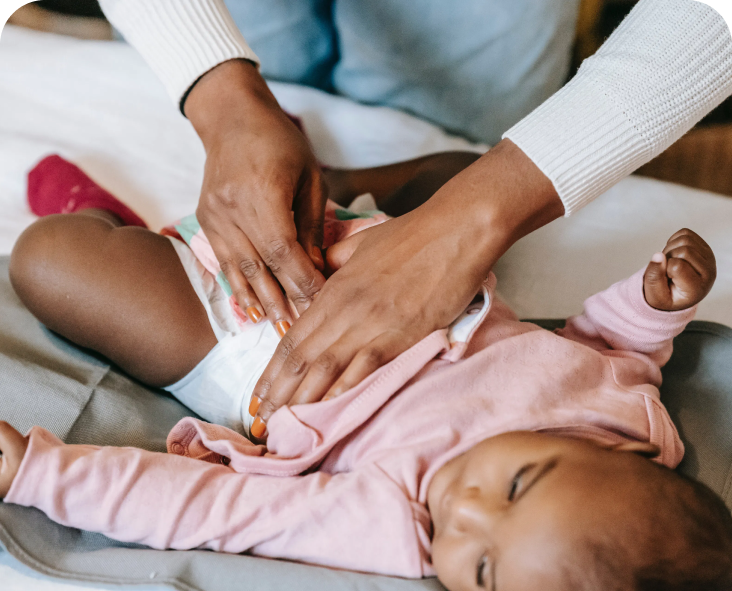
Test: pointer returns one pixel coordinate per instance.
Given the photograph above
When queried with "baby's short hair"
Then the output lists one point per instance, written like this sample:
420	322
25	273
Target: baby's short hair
702	561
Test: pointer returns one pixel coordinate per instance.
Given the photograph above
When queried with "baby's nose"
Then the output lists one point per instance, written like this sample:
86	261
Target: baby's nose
471	511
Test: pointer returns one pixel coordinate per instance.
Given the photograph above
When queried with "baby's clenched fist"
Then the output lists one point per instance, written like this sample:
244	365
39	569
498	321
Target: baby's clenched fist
682	275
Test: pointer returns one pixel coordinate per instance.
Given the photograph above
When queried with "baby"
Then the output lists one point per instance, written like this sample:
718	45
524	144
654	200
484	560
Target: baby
495	454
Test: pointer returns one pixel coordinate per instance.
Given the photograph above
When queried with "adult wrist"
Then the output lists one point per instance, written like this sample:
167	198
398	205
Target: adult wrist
232	91
523	198
503	196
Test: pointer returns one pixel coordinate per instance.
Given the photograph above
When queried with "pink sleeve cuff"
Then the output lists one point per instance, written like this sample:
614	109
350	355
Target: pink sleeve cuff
29	483
626	322
670	322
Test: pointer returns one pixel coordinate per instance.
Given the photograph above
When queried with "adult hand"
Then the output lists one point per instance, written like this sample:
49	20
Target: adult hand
407	277
259	171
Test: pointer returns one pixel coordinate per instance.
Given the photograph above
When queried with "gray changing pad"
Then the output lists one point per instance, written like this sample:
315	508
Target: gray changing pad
46	381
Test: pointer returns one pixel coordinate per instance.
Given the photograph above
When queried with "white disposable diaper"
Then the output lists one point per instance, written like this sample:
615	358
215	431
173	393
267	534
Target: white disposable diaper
220	387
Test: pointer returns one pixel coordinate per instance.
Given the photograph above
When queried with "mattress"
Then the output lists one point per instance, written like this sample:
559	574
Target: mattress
97	104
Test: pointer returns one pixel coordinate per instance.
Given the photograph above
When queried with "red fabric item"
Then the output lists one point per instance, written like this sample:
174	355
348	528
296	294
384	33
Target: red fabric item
56	185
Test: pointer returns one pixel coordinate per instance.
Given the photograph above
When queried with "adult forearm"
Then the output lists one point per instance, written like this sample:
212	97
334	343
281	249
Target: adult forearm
664	68
227	96
180	39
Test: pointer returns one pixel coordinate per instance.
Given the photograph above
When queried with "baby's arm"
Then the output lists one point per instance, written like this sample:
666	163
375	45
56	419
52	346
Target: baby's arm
171	501
646	311
160	500
401	187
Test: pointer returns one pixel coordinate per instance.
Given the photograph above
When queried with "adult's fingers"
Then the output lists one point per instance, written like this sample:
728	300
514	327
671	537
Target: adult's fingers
241	290
305	373
295	271
287	368
296	260
254	288
309	208
302	346
309	371
257	163
347	361
378	352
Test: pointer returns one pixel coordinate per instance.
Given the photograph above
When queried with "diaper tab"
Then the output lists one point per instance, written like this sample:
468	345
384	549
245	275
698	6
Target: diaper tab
463	328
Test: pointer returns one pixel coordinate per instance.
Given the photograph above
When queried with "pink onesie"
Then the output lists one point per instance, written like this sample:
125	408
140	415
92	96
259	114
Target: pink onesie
344	482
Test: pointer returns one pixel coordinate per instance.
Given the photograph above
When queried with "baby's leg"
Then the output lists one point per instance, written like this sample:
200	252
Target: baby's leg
121	291
401	187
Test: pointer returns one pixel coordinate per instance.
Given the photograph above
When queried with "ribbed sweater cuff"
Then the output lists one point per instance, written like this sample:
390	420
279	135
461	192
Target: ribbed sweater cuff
581	140
666	66
180	41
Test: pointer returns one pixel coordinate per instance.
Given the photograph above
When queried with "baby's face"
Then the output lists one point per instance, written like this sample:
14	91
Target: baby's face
513	512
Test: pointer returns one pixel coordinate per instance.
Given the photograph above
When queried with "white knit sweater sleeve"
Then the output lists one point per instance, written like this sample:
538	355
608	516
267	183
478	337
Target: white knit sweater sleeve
181	40
666	66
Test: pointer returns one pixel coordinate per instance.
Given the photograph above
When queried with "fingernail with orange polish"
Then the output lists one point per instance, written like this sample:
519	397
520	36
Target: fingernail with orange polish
254	314
254	405
282	327
333	393
317	257
258	428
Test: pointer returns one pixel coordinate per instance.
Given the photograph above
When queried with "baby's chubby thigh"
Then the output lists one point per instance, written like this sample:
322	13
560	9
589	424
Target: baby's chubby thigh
220	387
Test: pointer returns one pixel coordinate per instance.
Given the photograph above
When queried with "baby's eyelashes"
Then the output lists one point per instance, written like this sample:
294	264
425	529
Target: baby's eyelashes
516	482
483	574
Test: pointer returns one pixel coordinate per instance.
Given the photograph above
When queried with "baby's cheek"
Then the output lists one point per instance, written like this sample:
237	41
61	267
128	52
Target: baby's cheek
447	557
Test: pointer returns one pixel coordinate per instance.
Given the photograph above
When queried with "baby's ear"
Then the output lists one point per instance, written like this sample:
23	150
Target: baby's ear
642	448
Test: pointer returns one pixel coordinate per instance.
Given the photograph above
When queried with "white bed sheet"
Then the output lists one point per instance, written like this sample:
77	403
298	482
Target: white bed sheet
99	105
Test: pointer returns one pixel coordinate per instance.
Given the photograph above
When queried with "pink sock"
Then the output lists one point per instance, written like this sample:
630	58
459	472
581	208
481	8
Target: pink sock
57	186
